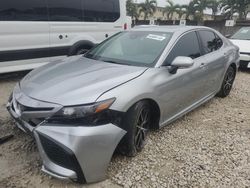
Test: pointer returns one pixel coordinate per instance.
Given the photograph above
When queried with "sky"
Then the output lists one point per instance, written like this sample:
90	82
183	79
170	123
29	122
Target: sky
162	3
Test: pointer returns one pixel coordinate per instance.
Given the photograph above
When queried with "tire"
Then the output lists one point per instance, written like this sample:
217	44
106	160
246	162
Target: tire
227	83
136	122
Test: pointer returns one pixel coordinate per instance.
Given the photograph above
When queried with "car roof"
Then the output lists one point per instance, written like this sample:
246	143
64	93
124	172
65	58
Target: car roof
170	28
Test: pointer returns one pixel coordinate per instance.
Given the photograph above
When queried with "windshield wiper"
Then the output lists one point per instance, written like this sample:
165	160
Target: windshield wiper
115	62
90	56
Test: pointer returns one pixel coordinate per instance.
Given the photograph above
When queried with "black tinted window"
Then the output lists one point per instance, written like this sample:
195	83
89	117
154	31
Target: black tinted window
65	10
209	41
101	10
187	46
23	10
219	42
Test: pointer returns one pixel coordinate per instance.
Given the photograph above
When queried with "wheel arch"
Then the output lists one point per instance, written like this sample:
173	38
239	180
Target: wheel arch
155	109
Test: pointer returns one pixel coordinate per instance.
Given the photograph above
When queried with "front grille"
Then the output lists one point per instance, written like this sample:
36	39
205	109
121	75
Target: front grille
30	109
20	109
24	108
61	155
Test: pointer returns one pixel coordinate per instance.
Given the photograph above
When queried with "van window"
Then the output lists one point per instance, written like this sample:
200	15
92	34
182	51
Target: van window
101	10
65	10
23	10
187	46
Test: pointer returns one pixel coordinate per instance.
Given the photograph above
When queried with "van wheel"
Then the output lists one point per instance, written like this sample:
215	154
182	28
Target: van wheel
227	83
137	122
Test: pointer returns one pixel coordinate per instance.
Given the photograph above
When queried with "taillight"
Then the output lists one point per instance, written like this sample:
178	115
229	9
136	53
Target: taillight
125	26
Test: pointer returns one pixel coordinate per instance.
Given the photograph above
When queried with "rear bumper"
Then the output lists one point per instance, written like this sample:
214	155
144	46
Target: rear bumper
78	153
245	64
244	61
245	57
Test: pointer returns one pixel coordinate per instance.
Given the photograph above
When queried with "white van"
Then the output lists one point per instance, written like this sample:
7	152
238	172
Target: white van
35	32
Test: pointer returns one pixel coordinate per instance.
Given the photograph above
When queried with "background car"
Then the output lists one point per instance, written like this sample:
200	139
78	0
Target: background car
35	32
242	40
79	109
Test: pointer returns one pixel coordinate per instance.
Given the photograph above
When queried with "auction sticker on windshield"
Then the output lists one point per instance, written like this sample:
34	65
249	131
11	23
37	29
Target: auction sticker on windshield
156	37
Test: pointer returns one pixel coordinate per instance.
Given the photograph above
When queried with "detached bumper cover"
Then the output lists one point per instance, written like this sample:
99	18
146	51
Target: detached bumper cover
93	148
79	153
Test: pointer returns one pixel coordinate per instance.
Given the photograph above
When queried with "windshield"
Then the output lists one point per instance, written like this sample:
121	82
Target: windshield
242	34
136	48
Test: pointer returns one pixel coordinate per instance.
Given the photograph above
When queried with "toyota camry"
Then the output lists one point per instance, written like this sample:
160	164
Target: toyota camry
83	108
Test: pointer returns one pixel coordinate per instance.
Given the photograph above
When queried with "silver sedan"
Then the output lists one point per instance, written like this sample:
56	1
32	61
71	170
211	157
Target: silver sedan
83	108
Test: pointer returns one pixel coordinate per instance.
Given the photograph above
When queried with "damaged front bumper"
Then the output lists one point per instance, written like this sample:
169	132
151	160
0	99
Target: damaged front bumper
78	153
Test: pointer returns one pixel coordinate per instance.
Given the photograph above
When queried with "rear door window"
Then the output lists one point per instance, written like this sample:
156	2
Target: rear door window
65	10
23	10
209	41
187	46
101	10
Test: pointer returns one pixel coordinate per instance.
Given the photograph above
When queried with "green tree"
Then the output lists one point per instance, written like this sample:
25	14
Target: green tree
200	6
147	8
180	10
132	9
230	7
170	9
214	6
190	9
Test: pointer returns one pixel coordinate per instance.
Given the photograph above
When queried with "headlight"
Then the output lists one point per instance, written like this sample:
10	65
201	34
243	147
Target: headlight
76	112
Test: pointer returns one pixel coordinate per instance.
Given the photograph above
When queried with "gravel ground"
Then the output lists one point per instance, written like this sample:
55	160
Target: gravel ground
209	147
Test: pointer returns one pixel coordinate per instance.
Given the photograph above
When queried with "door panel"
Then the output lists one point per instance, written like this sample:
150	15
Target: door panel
93	20
182	90
215	67
29	41
24	32
215	59
186	86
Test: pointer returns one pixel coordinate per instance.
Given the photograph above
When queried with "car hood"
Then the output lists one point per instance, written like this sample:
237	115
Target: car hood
76	80
242	44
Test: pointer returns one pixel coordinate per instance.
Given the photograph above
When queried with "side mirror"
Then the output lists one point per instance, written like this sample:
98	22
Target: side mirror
228	36
181	62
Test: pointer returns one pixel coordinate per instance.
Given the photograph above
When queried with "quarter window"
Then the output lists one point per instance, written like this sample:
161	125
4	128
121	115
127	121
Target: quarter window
187	46
209	41
65	10
23	10
101	10
219	42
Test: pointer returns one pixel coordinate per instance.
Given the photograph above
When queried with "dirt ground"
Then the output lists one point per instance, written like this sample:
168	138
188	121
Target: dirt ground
209	147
